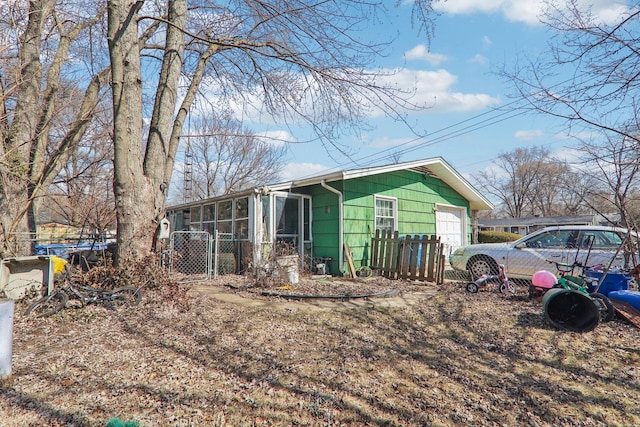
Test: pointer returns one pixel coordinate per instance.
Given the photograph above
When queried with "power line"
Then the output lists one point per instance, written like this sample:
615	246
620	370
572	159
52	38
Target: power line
499	115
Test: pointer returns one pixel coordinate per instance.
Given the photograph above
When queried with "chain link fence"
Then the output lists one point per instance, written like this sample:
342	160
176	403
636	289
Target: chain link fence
199	256
190	255
225	260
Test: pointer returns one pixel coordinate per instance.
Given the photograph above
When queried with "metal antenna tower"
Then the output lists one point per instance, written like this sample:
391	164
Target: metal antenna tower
187	189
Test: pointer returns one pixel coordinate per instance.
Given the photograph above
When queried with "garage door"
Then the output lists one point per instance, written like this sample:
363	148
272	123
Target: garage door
450	227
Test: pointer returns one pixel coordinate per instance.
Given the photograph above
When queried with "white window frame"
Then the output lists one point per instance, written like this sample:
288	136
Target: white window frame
394	200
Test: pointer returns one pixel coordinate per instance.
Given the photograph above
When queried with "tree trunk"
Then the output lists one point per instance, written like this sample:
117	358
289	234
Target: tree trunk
139	180
134	195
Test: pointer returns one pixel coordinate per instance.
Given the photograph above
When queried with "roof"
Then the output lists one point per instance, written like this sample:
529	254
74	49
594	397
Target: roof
538	221
436	167
542	221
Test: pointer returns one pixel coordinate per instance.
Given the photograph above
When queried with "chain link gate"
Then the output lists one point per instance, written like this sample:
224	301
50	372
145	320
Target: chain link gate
225	259
190	254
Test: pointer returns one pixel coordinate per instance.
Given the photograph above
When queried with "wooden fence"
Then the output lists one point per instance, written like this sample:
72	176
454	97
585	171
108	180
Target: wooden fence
410	257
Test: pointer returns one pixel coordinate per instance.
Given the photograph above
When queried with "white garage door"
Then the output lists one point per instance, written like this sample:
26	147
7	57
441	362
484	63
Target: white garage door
450	227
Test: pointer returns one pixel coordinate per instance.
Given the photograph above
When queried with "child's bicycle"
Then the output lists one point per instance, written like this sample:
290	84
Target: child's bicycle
482	281
541	283
85	295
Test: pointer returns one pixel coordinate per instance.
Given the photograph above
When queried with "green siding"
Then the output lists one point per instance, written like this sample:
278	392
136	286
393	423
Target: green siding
416	196
416	200
324	227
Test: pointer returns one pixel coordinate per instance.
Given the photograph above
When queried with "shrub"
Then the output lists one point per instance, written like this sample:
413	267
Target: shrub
497	236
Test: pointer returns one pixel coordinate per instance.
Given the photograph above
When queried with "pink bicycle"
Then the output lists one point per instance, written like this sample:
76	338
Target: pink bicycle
501	278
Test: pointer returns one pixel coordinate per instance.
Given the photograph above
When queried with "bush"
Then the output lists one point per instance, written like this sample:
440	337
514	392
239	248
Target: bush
497	236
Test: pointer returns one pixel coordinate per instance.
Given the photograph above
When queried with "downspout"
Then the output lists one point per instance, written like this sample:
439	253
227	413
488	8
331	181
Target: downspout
340	225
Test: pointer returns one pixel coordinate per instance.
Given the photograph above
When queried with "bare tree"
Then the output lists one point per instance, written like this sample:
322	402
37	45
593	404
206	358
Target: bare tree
518	179
590	77
300	62
82	193
573	191
395	156
45	110
227	157
614	169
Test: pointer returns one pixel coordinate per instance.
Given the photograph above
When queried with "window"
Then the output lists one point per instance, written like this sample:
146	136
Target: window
195	218
242	218
287	216
225	216
386	212
599	239
209	218
291	221
554	239
209	213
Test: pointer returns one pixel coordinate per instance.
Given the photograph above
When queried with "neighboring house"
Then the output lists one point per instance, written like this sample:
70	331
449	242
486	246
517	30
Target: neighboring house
530	224
317	215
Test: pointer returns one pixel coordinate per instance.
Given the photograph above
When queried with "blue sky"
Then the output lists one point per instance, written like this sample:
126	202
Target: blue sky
456	73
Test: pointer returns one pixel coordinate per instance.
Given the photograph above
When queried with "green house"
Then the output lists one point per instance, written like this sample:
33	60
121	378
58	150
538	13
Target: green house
315	216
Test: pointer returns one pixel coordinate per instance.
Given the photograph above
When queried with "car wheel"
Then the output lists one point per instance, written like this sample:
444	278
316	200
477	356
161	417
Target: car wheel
481	265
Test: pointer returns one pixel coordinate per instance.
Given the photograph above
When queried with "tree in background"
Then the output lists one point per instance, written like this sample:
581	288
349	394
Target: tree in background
614	169
227	157
591	80
82	193
48	97
518	179
528	181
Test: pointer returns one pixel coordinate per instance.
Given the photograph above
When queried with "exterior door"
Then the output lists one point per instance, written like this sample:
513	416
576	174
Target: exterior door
451	226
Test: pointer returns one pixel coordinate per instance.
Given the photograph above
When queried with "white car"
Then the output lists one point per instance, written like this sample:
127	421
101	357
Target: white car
587	245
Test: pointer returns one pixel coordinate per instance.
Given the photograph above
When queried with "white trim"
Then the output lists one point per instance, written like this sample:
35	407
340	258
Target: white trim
377	197
437	167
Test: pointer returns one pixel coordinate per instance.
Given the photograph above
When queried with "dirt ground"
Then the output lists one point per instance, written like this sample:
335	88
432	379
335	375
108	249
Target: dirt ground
227	353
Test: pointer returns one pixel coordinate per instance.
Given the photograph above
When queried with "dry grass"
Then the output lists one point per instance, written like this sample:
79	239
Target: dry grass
450	358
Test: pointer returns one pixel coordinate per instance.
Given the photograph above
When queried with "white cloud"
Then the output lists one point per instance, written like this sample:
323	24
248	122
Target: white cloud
528	11
434	91
486	41
568	154
427	91
294	171
421	52
479	59
276	137
513	10
528	135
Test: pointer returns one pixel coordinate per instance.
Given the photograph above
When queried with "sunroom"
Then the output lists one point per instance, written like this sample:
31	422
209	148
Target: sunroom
251	225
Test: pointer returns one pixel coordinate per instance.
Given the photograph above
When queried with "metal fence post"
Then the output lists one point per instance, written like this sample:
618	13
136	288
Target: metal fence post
215	254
